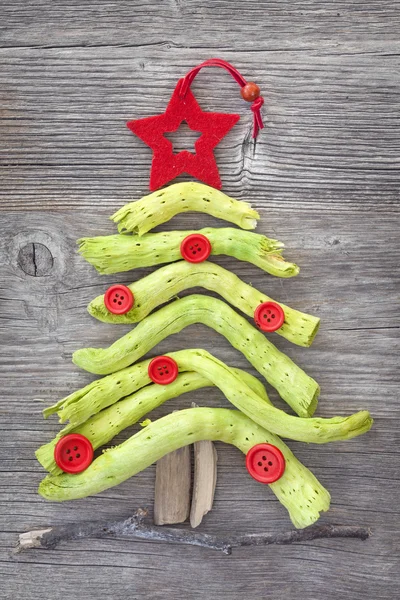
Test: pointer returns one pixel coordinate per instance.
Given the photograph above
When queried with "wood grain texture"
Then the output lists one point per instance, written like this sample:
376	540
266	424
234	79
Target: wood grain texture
172	487
325	177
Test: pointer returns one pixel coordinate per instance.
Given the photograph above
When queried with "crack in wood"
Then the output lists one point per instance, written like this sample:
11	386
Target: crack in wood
35	259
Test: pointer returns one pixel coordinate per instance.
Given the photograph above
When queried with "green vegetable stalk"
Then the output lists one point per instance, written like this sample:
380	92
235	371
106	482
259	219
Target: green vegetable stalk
165	283
298	490
159	207
295	387
118	253
106	424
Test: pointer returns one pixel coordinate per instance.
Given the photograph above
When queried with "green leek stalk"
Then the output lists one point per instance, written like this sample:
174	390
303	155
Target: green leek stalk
118	253
164	284
298	489
159	207
294	386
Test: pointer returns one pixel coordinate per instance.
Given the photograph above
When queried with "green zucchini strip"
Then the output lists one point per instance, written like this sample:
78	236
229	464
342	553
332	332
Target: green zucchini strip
298	489
118	253
295	387
106	424
165	283
159	207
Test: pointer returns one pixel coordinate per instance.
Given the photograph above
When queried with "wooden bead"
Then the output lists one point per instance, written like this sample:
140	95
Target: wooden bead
250	91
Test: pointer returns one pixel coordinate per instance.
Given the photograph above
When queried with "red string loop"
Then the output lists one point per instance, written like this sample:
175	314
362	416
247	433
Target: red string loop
258	122
187	81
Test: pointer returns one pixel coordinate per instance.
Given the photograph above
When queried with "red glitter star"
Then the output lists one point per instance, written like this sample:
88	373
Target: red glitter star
166	165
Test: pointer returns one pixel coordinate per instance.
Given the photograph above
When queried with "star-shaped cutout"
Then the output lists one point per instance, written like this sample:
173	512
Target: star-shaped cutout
166	165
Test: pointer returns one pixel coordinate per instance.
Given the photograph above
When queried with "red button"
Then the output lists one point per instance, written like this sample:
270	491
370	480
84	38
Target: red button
269	316
118	299
163	370
265	463
195	248
73	453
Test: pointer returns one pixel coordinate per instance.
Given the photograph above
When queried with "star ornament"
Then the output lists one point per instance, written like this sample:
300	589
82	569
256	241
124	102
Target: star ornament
165	164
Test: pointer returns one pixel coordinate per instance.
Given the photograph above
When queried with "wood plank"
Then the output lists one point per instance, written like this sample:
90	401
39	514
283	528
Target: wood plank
172	487
330	141
324	175
204	480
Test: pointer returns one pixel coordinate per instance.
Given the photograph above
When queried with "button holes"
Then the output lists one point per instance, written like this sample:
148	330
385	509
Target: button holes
119	302
70	459
114	300
266	469
272	316
122	297
77	455
264	458
167	372
75	447
68	451
260	464
117	295
270	463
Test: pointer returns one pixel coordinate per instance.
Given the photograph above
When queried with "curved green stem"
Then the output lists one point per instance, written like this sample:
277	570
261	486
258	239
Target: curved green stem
102	426
164	284
295	387
159	207
90	400
310	430
118	253
298	490
79	406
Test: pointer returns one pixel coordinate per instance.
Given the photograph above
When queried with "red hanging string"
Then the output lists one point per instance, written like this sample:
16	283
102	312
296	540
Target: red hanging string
250	91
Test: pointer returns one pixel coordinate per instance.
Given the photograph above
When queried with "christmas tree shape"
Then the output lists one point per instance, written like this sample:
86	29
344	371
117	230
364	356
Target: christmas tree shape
131	389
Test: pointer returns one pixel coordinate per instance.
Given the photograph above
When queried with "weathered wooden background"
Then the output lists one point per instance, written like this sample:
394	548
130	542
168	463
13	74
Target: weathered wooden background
325	176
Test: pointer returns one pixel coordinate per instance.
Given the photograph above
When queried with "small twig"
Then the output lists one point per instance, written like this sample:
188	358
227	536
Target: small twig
135	527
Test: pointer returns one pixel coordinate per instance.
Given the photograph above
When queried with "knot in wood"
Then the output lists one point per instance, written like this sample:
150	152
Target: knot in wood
35	259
